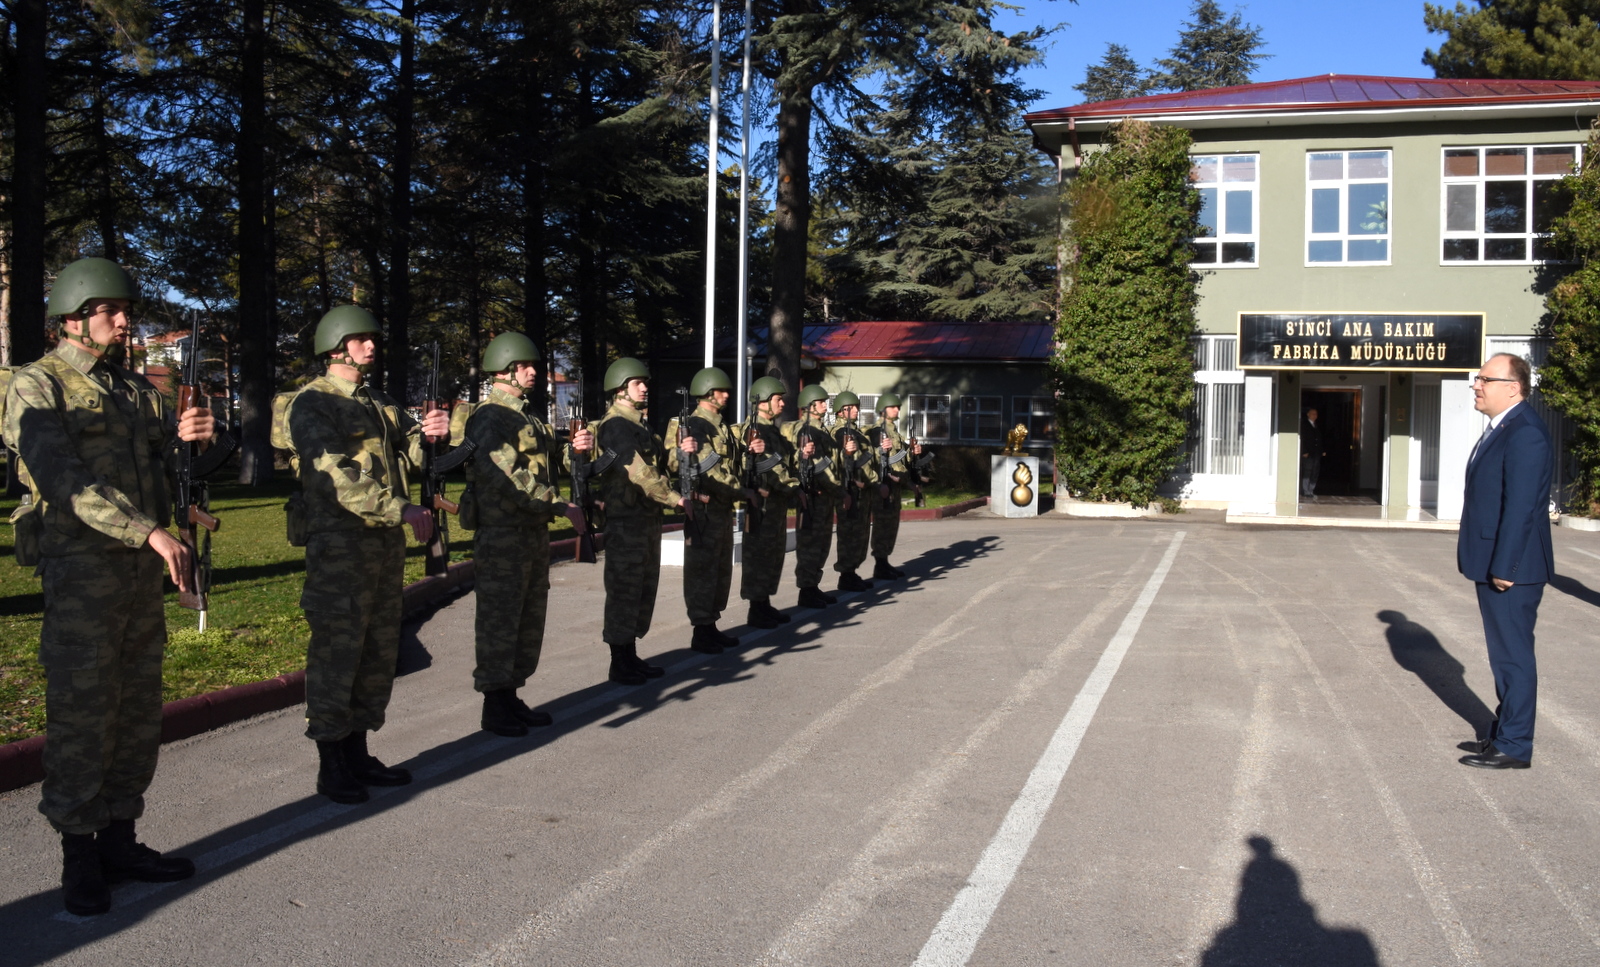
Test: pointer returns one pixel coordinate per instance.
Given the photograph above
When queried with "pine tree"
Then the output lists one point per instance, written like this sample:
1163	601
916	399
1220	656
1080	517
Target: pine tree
1545	39
1116	76
1211	52
1124	368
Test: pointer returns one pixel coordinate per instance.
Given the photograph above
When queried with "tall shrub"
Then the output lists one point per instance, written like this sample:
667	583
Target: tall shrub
1124	367
1570	377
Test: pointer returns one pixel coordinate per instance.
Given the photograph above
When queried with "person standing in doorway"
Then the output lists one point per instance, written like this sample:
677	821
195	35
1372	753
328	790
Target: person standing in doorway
1504	548
1312	450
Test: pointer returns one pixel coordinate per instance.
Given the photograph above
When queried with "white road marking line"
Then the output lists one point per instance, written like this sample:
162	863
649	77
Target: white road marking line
1582	551
963	924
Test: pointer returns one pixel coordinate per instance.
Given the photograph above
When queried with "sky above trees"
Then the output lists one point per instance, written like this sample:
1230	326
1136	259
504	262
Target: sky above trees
1355	37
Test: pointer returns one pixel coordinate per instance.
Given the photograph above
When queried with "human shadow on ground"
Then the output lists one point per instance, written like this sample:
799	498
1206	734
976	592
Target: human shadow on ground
1575	589
38	932
1418	651
1273	923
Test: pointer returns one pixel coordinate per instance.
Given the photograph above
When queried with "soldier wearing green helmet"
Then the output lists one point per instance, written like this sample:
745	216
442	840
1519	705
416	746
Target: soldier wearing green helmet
708	534
634	489
353	445
858	474
510	500
94	442
765	544
886	513
816	491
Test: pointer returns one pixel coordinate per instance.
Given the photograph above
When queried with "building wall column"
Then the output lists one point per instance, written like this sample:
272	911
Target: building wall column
1399	449
1288	488
1460	425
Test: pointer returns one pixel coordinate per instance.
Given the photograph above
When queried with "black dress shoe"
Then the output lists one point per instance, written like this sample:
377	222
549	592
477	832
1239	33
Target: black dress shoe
1494	760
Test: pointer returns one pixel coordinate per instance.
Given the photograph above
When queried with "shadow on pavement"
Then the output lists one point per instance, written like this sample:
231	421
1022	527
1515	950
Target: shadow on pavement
1417	651
1576	589
39	936
1274	923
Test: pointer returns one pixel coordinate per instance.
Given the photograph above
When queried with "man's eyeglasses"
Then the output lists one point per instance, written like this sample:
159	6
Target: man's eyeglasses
1492	379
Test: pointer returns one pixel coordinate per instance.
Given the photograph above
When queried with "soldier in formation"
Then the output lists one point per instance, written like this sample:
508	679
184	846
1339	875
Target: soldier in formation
817	491
767	534
94	440
885	437
857	476
352	445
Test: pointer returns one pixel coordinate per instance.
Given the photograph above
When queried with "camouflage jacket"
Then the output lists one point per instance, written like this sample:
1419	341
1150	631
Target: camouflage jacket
721	482
782	479
353	444
96	441
867	462
809	427
514	470
899	452
634	483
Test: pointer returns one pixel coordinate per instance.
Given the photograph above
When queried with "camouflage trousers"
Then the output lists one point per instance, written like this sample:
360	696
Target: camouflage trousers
352	603
855	527
708	563
886	523
512	578
811	544
633	572
101	646
762	569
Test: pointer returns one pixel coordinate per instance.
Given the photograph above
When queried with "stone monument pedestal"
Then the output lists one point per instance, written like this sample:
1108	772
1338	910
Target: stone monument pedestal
1014	486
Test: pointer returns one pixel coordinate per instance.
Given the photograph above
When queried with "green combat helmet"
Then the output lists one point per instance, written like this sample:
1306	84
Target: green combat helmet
340	324
622	370
88	279
887	400
506	350
765	389
811	394
708	379
844	399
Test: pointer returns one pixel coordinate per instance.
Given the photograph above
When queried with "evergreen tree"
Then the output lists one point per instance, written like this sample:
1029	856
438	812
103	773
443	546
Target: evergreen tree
1116	76
1569	380
1124	367
1543	39
1211	52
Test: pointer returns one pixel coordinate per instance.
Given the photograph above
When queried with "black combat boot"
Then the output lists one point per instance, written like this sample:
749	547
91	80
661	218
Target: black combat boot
884	571
813	597
537	718
851	581
499	715
123	857
758	616
707	640
623	671
333	775
645	668
365	766
83	883
774	613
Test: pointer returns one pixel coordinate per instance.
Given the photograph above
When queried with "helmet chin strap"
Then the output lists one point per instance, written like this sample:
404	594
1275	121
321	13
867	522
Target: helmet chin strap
345	359
501	379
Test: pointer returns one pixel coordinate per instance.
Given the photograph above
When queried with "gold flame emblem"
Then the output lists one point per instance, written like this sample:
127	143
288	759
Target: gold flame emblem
1022	494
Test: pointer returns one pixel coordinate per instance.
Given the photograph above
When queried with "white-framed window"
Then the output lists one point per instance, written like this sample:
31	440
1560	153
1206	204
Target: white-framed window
982	417
1347	207
1038	414
1230	209
869	409
927	417
1499	202
1216	420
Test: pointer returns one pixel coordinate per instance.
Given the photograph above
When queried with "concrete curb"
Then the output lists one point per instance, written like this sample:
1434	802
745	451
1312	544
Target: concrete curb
940	513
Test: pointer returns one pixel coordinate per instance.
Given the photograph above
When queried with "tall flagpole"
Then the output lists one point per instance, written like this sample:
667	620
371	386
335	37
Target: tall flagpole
741	360
711	179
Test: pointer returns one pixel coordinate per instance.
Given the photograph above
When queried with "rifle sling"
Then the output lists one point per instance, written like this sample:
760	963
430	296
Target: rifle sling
455	458
207	463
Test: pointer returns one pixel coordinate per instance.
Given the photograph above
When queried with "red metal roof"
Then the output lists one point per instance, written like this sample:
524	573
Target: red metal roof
1333	92
885	340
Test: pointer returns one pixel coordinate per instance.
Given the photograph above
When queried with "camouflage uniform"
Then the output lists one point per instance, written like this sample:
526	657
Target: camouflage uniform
352	443
95	439
886	519
708	540
813	541
855	521
512	476
634	493
764	547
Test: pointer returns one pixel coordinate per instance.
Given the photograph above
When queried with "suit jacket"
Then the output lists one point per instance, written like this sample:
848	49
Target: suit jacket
1311	441
1505	523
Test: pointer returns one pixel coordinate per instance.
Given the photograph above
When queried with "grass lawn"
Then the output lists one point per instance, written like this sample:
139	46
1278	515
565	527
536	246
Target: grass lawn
256	627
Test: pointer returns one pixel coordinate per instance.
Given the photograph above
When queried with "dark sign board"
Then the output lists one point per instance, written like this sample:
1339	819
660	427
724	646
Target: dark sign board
1361	340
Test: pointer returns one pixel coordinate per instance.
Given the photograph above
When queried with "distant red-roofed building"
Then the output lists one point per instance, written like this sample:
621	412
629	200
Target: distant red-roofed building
1366	242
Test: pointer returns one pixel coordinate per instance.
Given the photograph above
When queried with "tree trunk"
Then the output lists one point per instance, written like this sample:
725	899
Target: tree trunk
535	284
28	194
256	348
592	350
791	225
106	203
399	337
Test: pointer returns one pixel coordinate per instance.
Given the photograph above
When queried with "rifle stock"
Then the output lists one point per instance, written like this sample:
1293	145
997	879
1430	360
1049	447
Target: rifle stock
437	556
582	467
688	474
191	497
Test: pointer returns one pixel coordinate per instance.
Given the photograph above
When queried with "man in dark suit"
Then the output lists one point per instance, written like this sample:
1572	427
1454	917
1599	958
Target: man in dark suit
1312	450
1504	546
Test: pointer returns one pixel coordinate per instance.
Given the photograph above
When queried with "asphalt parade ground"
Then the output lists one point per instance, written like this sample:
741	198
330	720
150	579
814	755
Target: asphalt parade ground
1056	742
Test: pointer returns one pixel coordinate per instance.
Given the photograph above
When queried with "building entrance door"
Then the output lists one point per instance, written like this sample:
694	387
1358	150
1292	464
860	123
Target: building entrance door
1339	417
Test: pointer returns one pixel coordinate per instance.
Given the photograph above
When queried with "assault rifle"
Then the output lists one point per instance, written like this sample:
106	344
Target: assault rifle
756	467
853	464
885	461
688	472
434	467
191	498
582	469
914	468
807	483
